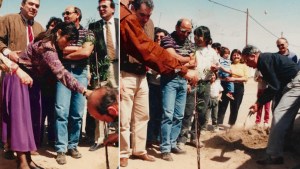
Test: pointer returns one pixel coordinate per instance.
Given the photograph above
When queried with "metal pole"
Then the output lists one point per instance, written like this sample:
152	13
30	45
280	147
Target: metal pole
247	26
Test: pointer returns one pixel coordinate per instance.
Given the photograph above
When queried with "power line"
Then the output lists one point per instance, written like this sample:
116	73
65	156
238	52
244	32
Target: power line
246	13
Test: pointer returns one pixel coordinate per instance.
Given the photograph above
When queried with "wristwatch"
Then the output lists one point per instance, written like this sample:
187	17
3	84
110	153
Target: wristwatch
6	51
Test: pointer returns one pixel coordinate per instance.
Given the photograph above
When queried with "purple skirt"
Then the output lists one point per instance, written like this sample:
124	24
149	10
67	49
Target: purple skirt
21	114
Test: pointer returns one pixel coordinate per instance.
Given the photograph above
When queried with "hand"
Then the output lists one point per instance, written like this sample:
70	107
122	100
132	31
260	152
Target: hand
192	77
4	67
111	139
14	56
88	93
189	88
214	67
24	77
253	108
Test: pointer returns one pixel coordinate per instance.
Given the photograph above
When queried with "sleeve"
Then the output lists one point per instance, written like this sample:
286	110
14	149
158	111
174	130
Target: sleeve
135	43
52	60
3	33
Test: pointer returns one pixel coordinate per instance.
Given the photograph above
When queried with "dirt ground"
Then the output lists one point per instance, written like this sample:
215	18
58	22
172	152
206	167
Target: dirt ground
238	148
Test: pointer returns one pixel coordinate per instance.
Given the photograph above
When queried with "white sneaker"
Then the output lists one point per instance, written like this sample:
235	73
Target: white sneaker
266	125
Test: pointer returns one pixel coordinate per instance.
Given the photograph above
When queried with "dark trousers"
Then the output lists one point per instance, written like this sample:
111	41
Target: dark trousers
187	118
234	104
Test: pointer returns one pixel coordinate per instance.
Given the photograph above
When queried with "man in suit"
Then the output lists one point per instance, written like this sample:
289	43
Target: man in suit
104	62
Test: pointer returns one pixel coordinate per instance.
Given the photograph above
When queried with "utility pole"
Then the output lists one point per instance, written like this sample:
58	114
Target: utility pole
247	17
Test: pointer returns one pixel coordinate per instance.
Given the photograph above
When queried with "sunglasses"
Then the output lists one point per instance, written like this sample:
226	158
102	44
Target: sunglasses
67	13
279	45
185	31
101	6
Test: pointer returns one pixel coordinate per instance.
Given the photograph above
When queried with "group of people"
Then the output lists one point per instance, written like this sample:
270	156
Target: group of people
47	73
168	102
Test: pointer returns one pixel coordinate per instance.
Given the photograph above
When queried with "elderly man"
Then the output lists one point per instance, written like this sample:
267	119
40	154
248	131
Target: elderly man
283	49
135	42
135	99
282	76
174	89
16	32
69	106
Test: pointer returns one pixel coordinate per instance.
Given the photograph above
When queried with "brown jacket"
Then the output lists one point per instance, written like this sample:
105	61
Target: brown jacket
136	43
13	32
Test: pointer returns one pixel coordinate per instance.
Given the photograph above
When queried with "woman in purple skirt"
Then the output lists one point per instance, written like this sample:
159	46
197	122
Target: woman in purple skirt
21	122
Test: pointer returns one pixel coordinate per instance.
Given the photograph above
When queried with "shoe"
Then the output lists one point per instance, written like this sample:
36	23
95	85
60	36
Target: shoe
215	129
266	125
145	157
166	156
123	162
95	147
74	153
194	143
271	161
230	96
9	155
181	146
177	150
61	158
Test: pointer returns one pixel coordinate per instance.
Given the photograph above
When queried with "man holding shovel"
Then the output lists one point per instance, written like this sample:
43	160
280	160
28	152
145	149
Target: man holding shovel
283	78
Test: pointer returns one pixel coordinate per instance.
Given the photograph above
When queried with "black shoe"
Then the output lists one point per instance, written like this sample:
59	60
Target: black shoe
271	161
95	146
74	153
61	158
177	150
166	156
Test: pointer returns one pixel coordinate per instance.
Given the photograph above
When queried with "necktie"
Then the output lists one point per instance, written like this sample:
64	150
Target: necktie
109	43
30	33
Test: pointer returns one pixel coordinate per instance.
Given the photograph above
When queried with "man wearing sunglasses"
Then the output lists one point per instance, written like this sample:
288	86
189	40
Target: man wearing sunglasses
174	89
283	49
69	106
106	8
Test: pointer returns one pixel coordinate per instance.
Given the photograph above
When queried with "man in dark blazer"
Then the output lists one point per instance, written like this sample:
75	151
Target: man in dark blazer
104	68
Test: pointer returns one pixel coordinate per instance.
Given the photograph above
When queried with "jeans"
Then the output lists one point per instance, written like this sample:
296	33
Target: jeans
155	107
173	100
188	114
69	109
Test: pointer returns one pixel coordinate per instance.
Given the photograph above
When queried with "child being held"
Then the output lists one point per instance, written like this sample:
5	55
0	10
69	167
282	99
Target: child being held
225	71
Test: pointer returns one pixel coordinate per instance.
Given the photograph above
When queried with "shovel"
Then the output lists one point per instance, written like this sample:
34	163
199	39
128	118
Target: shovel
248	117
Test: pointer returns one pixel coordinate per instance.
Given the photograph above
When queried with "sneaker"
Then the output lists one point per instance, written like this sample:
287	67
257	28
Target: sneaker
271	161
230	96
215	129
61	158
181	146
177	150
74	153
266	125
166	156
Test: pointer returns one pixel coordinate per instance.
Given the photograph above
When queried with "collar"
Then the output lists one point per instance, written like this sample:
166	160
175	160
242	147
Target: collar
27	21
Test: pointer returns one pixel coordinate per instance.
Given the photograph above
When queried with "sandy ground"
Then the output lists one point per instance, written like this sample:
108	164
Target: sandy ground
237	148
89	160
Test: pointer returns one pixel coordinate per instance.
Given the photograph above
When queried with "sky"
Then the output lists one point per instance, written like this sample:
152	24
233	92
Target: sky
49	8
227	25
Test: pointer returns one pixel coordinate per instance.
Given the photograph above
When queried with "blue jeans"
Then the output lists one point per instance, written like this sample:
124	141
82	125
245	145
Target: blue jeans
173	101
69	109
